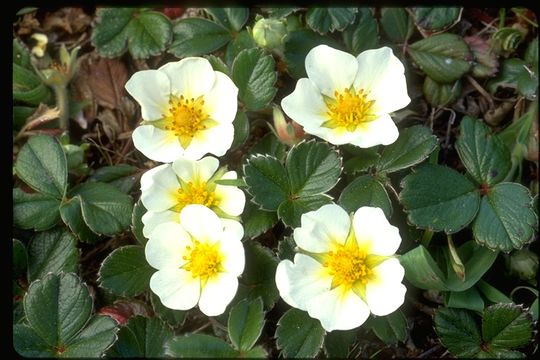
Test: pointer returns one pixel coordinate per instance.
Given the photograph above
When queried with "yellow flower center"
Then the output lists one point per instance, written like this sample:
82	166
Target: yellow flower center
349	109
197	193
348	266
204	260
186	117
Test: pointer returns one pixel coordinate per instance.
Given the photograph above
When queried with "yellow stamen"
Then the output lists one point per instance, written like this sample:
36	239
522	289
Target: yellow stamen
195	193
203	260
349	109
185	117
347	265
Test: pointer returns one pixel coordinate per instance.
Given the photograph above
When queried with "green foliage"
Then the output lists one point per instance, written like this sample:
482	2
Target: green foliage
141	338
122	176
232	18
195	36
365	191
397	24
298	335
504	327
253	73
71	214
20	258
144	33
246	321
363	34
441	94
338	342
34	210
241	129
136	222
125	271
199	345
516	74
242	41
444	57
172	317
267	181
436	18
59	323
257	221
330	19
390	328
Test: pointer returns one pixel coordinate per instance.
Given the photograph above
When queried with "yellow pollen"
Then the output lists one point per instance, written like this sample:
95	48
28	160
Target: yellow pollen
197	193
203	260
186	116
349	109
348	266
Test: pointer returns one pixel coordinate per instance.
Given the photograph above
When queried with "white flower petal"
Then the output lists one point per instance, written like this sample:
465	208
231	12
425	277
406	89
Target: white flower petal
231	199
386	293
221	101
374	233
232	249
146	178
176	288
191	170
191	77
215	140
161	190
301	281
305	105
330	69
382	74
322	227
201	223
382	130
156	144
167	245
151	219
337	310
151	89
217	293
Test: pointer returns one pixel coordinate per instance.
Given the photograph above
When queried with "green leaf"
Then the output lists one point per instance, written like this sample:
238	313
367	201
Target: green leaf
492	294
21	55
71	214
53	251
257	221
172	317
136	222
246	321
296	46
338	342
254	74
413	146
20	259
233	18
145	33
281	12
286	248
441	94
298	335
421	270
361	162
199	345
20	115
242	41
444	57
218	64
121	176
141	338
365	191
195	36
439	198
125	271
506	326
469	299
258	278
241	129
267	181
330	19
290	211
105	209
256	352
390	328
508	75
485	156
42	165
363	34
98	335
28	87
313	168
270	145
34	211
436	18
505	220
397	24
28	343
458	331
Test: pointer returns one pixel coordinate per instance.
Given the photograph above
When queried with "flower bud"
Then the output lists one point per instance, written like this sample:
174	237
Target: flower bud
288	133
268	33
523	263
60	74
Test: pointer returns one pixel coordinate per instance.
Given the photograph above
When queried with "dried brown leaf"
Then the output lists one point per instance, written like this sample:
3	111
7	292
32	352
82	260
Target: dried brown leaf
72	20
106	79
110	124
28	24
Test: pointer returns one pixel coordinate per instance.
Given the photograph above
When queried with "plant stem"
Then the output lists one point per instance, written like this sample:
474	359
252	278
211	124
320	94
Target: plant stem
62	102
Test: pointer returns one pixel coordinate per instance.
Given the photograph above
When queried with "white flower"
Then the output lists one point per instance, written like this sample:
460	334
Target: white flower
346	100
344	269
188	110
168	188
198	261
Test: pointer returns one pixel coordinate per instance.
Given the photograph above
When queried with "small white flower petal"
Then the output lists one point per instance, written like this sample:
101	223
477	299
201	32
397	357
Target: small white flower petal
321	227
191	170
176	288
166	246
217	293
374	233
231	199
221	101
305	105
386	293
330	69
215	140
381	131
151	89
337	310
201	223
336	136
301	281
232	249
146	178
156	144
382	74
162	188
151	219
191	77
